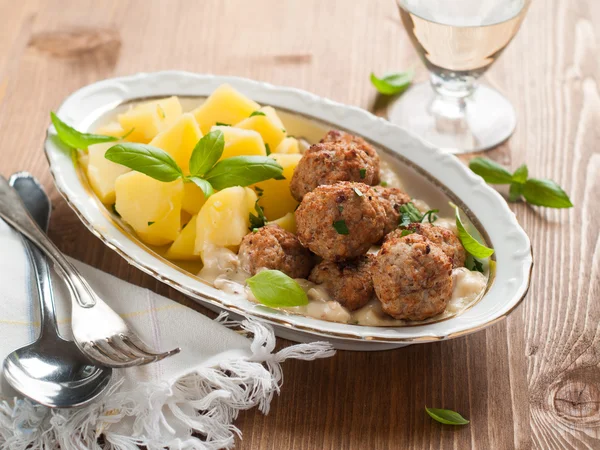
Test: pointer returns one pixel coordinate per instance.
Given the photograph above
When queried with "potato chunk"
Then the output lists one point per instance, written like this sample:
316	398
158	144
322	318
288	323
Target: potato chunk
111	129
184	246
103	173
276	199
225	218
225	105
151	207
193	198
288	145
150	118
287	222
272	114
271	132
240	142
179	140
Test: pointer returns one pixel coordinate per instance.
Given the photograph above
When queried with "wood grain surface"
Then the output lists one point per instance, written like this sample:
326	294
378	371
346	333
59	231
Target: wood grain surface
532	381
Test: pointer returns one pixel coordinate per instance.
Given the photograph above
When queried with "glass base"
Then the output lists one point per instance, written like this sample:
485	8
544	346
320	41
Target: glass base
478	122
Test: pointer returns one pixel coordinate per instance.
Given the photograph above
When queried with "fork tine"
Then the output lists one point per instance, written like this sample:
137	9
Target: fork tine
138	346
98	354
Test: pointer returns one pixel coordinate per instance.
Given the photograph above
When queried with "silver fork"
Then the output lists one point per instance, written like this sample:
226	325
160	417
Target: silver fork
98	331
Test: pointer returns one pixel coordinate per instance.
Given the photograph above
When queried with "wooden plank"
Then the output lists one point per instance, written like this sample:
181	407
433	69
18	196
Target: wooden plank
532	381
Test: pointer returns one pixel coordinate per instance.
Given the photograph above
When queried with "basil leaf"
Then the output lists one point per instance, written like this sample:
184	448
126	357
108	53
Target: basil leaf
393	83
473	264
73	138
430	215
446	416
490	171
204	185
242	171
515	192
341	227
410	214
257	113
469	243
149	160
207	152
521	174
545	193
275	289
406	232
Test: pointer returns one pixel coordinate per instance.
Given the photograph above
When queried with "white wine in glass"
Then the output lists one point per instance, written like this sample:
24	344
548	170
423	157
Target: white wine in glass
458	40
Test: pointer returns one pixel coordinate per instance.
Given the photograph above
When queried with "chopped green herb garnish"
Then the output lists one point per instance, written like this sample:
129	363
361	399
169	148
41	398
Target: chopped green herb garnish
268	149
283	129
341	227
406	232
363	173
409	214
222	124
128	133
357	192
430	216
384	183
259	220
257	113
340	208
150	223
259	191
161	111
114	209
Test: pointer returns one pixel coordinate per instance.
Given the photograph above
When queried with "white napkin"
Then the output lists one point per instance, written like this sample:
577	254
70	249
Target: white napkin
186	401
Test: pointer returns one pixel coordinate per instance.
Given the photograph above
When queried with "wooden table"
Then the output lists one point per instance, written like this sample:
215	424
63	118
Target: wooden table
532	381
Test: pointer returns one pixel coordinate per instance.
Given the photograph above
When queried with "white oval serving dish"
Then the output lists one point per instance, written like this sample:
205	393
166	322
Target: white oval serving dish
434	169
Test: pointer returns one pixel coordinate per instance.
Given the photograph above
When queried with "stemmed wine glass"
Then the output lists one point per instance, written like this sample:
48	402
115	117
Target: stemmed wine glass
458	40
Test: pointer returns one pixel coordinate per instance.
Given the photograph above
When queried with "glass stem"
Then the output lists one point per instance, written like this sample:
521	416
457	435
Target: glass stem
452	93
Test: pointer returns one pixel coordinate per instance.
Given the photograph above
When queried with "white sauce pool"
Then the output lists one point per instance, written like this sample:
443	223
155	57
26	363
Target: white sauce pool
222	268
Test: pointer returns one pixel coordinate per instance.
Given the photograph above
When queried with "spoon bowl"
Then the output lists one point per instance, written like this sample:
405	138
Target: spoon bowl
51	371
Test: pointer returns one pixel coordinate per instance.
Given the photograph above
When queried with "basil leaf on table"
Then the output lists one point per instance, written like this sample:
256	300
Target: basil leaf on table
521	174
545	193
446	416
275	289
207	152
149	160
515	192
393	83
73	138
471	245
204	185
242	171
490	171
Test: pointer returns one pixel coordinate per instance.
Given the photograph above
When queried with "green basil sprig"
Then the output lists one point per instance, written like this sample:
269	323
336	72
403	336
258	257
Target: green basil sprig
393	83
446	416
409	214
206	171
275	289
471	245
539	192
75	139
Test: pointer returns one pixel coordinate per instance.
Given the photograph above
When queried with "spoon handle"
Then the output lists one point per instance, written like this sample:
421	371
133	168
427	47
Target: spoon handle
15	214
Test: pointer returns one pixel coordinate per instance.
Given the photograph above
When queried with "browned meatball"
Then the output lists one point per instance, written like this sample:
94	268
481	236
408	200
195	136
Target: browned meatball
348	282
412	278
340	221
272	247
443	238
347	138
329	162
392	199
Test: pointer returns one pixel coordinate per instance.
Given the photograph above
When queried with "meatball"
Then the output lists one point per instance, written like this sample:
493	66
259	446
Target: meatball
392	199
329	162
272	247
347	138
444	239
340	221
412	278
348	282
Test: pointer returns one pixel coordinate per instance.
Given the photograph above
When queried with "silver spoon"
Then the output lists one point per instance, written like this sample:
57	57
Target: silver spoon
51	371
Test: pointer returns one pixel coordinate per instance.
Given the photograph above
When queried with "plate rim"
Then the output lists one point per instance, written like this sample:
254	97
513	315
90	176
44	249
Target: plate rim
169	83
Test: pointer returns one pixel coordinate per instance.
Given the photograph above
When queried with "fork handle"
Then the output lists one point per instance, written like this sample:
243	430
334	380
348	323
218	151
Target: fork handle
15	214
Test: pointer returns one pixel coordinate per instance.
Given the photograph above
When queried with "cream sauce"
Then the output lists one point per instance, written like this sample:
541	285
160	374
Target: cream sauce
223	269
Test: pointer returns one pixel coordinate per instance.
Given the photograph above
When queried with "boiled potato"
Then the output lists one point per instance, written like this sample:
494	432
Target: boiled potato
193	198
225	105
240	142
150	118
103	173
288	145
287	222
184	246
275	197
225	218
179	140
272	114
271	132
151	207
111	129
